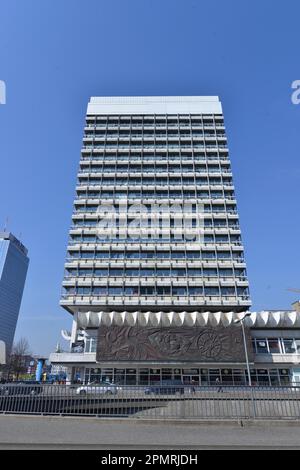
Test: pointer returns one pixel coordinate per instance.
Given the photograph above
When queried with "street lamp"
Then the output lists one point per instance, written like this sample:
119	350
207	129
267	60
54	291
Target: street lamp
241	321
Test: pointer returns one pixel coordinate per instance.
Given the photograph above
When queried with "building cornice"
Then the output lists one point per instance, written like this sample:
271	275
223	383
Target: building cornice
263	319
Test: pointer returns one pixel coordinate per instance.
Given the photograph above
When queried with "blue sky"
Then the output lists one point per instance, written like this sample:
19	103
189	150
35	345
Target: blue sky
55	54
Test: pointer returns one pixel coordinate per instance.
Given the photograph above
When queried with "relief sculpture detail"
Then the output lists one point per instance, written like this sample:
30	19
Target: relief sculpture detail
185	344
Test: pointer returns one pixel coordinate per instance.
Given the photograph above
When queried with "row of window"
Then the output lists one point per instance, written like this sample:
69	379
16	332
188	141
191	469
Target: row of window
148	118
145	179
158	144
217	207
157	180
196	376
211	255
145	193
164	133
217	223
138	166
135	237
207	239
133	154
142	178
276	346
168	179
163	194
157	291
96	194
151	272
95	178
102	159
162	138
208	126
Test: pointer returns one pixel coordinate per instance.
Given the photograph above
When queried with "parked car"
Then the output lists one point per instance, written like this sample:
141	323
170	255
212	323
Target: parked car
105	388
21	388
166	387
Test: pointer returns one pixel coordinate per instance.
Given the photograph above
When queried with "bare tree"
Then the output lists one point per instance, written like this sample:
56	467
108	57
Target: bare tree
17	358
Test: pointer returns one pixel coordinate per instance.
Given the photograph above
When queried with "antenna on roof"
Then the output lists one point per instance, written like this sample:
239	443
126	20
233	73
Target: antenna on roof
6	224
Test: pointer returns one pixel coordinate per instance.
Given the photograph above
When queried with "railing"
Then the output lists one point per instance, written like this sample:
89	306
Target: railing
153	401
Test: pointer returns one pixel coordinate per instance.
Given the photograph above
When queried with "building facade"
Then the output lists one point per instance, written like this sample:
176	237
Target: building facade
13	269
155	274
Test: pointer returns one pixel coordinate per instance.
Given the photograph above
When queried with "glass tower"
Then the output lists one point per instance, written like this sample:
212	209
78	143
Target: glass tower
155	225
13	269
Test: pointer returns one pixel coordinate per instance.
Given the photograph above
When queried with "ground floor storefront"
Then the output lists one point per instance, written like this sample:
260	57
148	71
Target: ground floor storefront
195	375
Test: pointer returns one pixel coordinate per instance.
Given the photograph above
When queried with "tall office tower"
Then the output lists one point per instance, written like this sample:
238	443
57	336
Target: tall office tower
155	276
155	239
13	269
152	170
155	232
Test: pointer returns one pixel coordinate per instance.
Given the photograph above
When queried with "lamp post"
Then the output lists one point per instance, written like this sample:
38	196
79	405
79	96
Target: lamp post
241	321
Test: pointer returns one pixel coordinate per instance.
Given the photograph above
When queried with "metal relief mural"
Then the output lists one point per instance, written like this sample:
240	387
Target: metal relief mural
134	343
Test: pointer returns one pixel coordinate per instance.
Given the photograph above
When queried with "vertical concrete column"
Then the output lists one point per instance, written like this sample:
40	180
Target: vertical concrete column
2	353
74	330
70	375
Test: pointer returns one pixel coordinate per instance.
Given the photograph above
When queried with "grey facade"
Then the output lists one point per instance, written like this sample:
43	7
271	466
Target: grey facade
149	161
141	287
13	269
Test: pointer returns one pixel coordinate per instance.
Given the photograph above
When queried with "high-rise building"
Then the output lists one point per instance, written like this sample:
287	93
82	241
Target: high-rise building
155	222
155	275
13	269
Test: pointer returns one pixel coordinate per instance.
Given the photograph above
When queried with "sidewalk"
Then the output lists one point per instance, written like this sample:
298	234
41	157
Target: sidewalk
38	432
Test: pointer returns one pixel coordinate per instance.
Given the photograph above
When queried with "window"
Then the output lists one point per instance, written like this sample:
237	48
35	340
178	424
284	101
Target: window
196	290
101	272
164	290
100	291
289	346
211	291
297	345
261	346
163	272
147	290
194	272
83	290
131	290
179	290
177	254
90	345
101	254
227	291
225	272
178	272
85	272
274	347
146	272
132	254
210	272
116	272
115	290
208	255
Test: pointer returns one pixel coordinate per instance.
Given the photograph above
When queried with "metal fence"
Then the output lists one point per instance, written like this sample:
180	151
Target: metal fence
157	401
